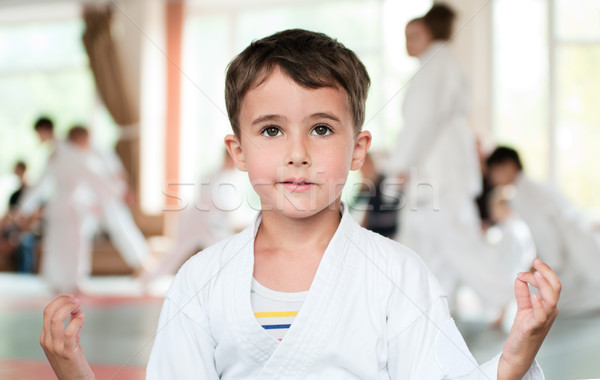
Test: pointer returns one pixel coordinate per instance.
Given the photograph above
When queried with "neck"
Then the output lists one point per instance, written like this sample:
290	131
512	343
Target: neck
279	233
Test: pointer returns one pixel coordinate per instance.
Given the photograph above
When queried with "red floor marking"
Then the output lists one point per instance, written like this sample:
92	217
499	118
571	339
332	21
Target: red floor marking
86	301
39	370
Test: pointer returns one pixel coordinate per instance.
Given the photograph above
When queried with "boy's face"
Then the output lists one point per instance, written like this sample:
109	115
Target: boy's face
502	174
44	134
297	145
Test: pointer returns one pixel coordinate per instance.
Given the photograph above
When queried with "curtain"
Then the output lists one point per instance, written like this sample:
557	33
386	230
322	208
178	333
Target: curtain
111	84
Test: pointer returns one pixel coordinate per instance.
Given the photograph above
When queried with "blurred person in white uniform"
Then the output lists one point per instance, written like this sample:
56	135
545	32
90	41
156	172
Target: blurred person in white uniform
114	215
436	158
116	218
65	188
202	223
511	242
561	236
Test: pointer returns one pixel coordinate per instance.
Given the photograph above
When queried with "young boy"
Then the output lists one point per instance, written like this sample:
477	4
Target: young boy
561	237
352	304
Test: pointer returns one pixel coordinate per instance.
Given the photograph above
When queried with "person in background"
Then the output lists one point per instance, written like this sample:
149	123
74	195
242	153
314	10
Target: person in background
65	187
202	223
380	200
561	236
115	216
436	157
511	241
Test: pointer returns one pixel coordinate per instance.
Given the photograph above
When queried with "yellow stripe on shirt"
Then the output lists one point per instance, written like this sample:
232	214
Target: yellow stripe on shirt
270	314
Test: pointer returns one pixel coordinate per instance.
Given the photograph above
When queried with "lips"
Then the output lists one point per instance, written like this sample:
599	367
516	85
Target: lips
297	184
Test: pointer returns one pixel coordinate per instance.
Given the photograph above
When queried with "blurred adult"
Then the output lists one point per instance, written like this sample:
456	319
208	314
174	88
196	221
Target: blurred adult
436	156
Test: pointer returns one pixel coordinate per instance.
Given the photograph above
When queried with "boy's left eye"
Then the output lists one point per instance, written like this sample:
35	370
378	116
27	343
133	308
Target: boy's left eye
321	130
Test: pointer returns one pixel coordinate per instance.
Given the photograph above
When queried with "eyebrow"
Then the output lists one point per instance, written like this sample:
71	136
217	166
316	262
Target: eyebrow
324	115
278	118
267	118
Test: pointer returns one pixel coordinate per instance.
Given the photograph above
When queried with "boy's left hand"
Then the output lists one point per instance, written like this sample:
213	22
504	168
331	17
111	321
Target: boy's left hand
535	315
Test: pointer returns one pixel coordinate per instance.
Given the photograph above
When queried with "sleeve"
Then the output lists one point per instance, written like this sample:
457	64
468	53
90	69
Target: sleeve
431	347
33	196
422	120
183	346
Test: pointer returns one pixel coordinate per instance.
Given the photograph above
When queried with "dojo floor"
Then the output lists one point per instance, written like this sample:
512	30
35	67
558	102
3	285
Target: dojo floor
121	322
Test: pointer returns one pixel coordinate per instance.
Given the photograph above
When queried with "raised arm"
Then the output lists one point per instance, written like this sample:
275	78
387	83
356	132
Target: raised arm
60	344
535	316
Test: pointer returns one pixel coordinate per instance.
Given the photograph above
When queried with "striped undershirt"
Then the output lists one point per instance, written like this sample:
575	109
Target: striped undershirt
275	311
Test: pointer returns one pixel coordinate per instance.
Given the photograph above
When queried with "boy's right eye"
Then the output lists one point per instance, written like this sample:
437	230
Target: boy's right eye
271	131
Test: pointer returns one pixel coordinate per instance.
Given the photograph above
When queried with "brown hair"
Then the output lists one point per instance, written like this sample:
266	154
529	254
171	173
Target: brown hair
439	20
77	132
312	60
43	123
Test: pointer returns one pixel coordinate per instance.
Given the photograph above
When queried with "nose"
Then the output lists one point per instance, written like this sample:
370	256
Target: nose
298	152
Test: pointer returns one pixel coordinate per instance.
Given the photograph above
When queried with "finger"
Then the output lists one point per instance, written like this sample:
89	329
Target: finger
73	330
522	295
58	319
528	277
548	274
538	310
49	311
547	293
54	305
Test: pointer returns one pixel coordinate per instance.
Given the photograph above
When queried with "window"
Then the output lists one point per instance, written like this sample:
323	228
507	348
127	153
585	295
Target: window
546	59
44	71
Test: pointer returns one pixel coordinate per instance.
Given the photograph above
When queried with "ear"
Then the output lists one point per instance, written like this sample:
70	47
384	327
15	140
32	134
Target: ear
361	147
236	153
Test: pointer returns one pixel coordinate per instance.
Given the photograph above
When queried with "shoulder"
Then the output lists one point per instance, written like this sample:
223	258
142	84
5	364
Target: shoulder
205	268
397	264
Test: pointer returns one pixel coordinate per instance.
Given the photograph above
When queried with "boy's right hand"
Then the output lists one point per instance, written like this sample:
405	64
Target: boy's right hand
60	344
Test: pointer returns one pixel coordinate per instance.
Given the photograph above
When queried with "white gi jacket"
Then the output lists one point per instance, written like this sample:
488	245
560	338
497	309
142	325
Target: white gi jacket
373	312
563	241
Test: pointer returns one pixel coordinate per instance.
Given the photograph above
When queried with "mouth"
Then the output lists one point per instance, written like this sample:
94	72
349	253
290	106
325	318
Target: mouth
297	184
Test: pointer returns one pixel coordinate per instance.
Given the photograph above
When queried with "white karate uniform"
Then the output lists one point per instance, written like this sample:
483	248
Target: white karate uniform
373	311
116	216
563	241
514	246
436	147
66	183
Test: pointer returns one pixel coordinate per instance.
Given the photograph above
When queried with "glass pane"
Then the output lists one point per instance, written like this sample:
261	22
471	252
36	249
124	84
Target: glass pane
354	23
579	20
578	120
32	46
520	106
204	120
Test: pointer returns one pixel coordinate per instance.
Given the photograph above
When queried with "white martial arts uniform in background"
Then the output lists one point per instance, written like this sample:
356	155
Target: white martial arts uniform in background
437	149
116	216
202	223
70	186
563	241
373	311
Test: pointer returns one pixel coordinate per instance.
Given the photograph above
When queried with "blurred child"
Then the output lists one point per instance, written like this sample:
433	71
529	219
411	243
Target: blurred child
349	303
511	241
201	224
561	237
65	184
115	216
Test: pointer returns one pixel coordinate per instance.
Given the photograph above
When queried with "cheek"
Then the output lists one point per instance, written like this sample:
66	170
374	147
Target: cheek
335	164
